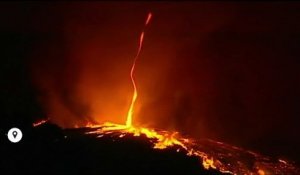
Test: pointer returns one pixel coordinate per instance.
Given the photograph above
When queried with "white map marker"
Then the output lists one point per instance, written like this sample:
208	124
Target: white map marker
14	135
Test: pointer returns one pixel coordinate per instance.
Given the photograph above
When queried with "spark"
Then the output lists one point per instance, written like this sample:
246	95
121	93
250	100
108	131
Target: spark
148	18
282	161
38	123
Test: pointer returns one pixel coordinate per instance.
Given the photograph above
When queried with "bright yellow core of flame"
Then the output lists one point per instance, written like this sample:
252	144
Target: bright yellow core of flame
130	111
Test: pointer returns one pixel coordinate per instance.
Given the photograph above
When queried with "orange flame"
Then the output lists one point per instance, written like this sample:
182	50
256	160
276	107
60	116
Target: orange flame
162	139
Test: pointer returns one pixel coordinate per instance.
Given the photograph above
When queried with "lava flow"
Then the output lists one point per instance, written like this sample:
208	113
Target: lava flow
212	155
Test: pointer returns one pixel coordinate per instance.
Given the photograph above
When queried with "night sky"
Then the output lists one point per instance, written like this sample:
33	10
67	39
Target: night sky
226	71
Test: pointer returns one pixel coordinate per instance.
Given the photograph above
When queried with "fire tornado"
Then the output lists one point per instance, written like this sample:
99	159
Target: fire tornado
135	94
212	155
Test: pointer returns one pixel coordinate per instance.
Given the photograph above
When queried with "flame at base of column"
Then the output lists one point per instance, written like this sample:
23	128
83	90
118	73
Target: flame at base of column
212	154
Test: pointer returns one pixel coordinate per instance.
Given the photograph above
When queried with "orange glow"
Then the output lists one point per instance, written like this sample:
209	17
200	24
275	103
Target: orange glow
261	172
158	139
162	140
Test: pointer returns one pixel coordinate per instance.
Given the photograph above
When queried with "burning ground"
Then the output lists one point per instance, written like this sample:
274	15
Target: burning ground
213	155
49	149
95	150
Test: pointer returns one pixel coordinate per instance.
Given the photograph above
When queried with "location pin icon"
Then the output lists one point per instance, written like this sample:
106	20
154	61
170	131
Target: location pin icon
15	133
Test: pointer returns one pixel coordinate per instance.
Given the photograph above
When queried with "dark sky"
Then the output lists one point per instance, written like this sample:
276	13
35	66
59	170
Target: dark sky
227	71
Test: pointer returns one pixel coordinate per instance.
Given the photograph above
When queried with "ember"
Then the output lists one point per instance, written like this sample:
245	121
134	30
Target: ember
39	122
